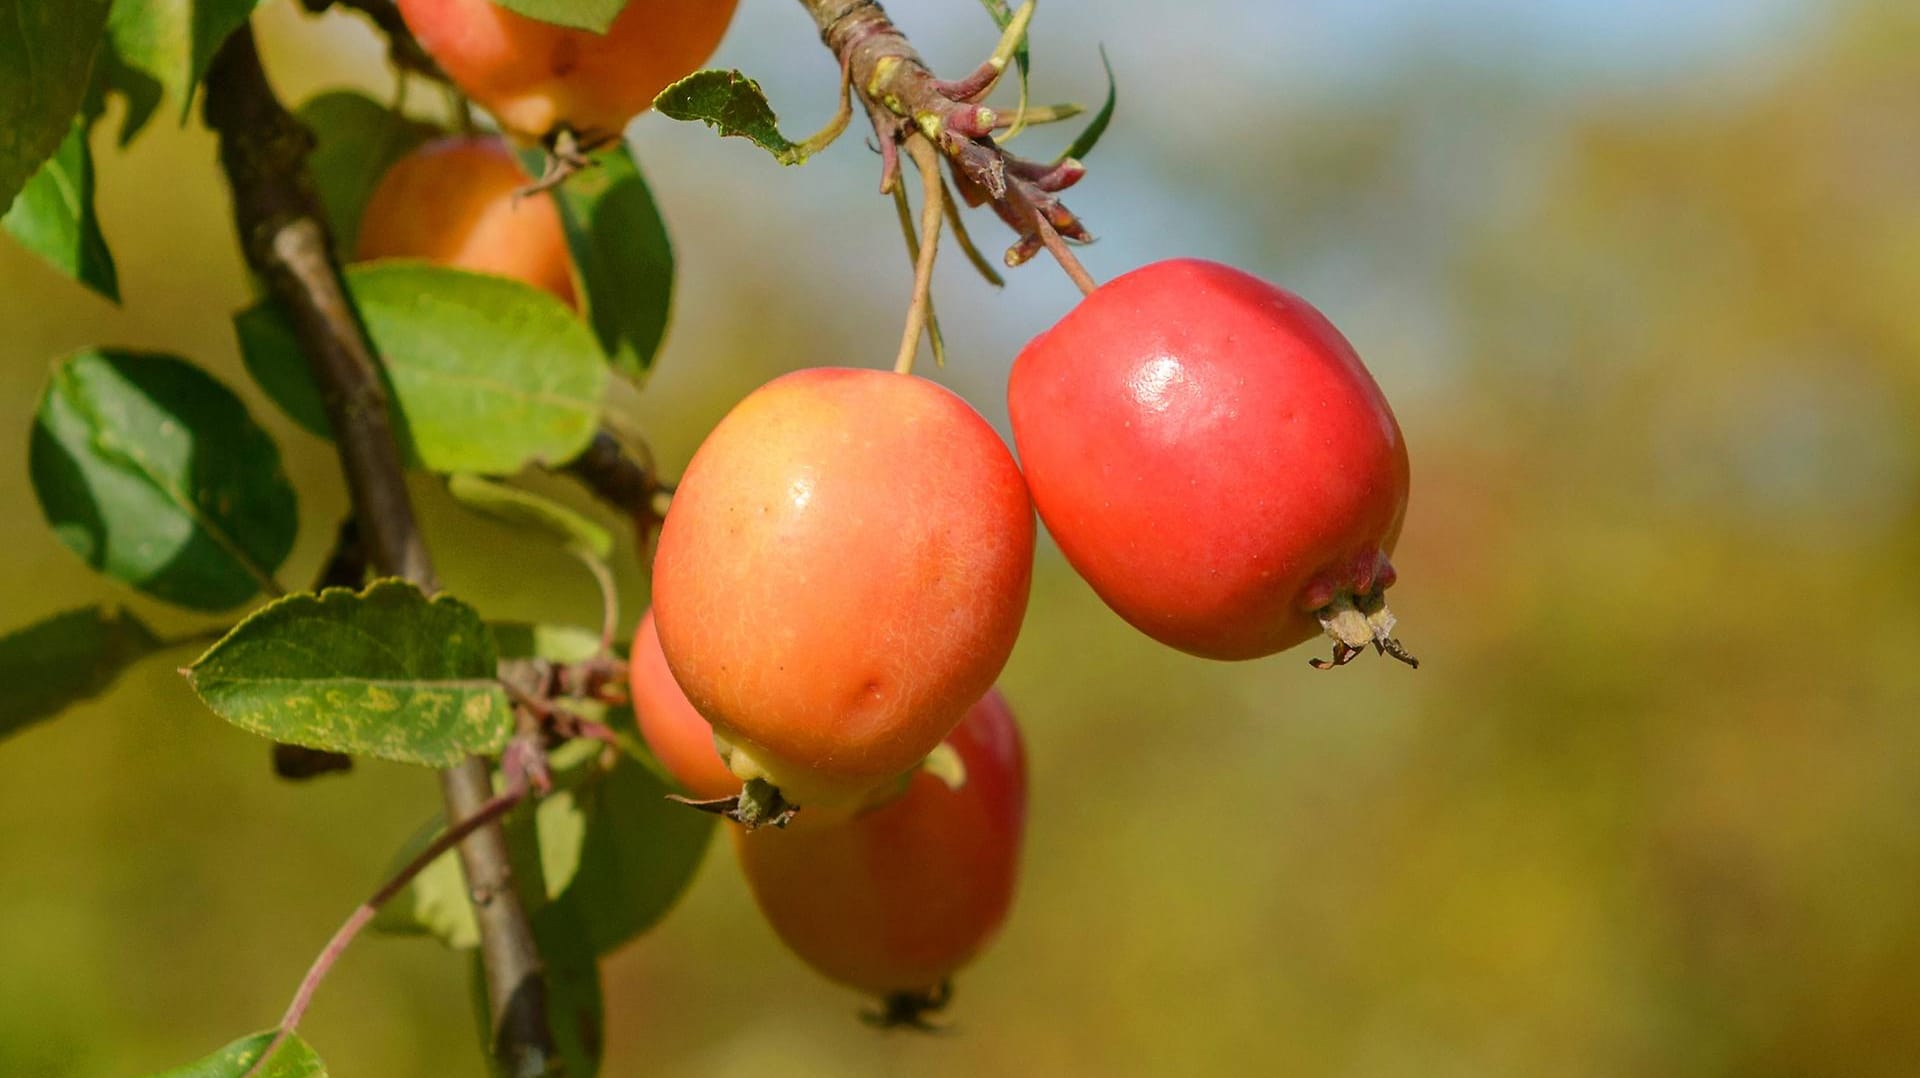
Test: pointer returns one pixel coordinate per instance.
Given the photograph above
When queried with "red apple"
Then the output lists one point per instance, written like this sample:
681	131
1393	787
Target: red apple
1213	458
680	738
898	899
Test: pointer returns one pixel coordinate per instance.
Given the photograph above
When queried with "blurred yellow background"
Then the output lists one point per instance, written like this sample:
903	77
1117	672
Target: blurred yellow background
1644	286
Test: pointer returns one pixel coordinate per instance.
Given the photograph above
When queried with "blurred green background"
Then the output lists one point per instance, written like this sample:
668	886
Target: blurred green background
1644	286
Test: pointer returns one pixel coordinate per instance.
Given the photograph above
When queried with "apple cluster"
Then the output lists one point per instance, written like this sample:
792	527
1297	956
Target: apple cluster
845	565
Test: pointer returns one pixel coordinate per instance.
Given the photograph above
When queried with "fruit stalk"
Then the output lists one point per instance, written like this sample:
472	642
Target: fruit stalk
284	235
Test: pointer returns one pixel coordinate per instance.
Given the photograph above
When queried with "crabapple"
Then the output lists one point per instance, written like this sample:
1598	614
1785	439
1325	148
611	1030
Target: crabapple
1214	460
538	78
900	897
679	737
841	574
453	202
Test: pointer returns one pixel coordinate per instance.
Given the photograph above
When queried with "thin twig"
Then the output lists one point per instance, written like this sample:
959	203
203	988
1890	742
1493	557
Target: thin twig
283	231
1063	254
932	191
494	808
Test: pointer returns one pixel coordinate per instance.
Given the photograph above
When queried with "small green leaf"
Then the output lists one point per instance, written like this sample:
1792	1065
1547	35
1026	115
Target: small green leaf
1096	127
142	92
65	659
47	51
356	140
606	844
487	374
529	510
293	1059
385	673
155	475
53	216
731	104
173	41
620	246
1002	14
594	15
561	643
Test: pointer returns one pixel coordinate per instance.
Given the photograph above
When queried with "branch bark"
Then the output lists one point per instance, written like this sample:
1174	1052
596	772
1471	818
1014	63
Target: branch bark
263	150
903	96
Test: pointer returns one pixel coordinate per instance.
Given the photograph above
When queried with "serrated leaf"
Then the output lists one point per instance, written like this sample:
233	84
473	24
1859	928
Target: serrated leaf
514	505
385	673
606	844
1083	145
65	659
154	473
486	374
594	15
356	140
293	1059
173	41
53	216
47	51
733	105
621	249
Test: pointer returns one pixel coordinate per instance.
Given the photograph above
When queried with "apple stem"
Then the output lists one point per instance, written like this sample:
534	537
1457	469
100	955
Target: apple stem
499	805
933	194
1064	255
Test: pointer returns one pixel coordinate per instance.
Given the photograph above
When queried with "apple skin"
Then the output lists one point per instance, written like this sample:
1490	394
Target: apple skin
1211	456
536	77
452	202
901	897
841	575
680	738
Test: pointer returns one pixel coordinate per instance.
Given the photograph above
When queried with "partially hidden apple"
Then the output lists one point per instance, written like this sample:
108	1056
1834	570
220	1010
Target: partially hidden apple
896	900
538	78
454	202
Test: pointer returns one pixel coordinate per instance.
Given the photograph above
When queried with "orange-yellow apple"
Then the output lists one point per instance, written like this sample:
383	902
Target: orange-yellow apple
452	201
841	575
536	77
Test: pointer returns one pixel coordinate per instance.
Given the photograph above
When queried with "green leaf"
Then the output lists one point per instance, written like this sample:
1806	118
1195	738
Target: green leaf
385	673
731	104
1002	13
65	659
486	374
606	845
356	140
561	643
514	505
113	75
1096	127
293	1059
620	246
595	15
576	1010
53	216
47	50
172	41
153	472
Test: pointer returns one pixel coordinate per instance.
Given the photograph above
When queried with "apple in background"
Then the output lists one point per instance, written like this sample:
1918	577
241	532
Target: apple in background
537	78
452	202
680	738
